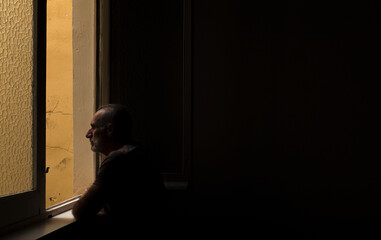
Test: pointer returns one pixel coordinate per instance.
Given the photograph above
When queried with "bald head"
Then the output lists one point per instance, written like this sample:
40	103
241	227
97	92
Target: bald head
120	119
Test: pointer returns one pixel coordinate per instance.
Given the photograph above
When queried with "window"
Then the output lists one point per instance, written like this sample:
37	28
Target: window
70	98
20	170
48	62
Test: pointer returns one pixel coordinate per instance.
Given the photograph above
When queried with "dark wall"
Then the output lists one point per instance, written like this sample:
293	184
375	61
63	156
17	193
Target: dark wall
146	54
285	95
285	102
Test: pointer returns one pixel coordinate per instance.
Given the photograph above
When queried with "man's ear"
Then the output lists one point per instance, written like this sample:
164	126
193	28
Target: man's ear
110	129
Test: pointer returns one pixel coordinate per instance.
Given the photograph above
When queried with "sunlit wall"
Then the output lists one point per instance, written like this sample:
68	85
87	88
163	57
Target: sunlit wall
59	102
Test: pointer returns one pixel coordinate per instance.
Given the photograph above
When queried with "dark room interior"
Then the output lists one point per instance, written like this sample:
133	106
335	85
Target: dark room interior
283	117
266	112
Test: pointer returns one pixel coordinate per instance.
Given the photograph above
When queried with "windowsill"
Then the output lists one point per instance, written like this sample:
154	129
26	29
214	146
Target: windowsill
54	218
61	219
43	228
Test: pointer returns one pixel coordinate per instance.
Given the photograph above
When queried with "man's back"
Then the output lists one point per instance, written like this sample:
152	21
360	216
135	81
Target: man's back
133	187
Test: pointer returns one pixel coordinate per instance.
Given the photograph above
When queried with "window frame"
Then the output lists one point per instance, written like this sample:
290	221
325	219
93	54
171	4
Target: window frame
180	180
23	208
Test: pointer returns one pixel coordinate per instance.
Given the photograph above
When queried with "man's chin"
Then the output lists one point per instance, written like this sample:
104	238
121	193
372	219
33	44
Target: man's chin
94	149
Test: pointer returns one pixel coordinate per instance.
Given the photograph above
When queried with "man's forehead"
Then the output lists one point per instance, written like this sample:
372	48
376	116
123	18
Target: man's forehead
98	115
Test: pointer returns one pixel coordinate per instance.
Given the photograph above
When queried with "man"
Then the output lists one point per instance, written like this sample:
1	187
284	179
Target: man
127	186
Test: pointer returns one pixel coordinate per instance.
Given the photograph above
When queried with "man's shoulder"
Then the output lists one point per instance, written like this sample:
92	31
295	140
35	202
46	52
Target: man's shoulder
122	156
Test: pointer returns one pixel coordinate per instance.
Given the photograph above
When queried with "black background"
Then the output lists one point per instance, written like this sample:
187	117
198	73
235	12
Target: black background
285	103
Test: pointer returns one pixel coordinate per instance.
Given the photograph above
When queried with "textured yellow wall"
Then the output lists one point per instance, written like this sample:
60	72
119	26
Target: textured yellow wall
59	106
16	97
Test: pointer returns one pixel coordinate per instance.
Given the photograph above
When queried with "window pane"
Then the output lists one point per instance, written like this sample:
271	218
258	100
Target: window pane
16	97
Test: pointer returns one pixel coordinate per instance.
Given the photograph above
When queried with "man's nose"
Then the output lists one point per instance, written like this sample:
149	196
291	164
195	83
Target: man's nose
89	134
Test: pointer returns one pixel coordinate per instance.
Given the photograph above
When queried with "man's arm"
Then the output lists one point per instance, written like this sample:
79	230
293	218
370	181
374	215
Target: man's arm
90	203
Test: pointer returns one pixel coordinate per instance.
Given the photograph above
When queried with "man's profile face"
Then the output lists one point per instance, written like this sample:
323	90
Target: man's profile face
97	133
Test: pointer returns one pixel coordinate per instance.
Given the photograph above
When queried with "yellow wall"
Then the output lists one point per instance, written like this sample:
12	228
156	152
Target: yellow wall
59	102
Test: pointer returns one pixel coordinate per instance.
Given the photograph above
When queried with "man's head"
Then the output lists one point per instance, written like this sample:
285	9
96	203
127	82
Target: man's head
110	128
